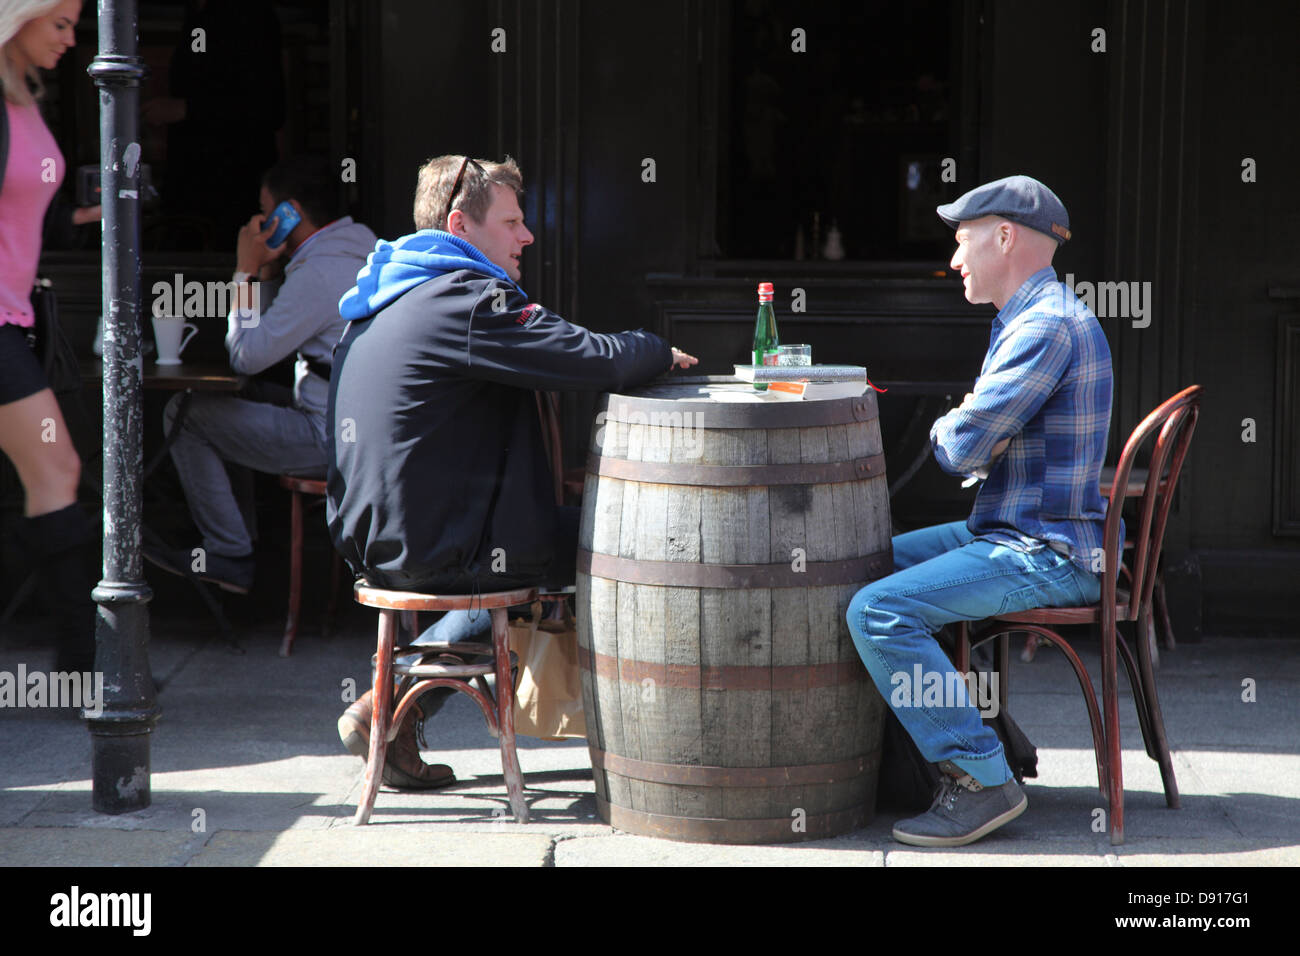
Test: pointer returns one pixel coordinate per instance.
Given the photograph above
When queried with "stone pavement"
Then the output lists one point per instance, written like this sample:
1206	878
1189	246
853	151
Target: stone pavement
248	771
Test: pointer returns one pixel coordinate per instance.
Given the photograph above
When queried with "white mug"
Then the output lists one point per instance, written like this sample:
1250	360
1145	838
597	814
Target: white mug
167	332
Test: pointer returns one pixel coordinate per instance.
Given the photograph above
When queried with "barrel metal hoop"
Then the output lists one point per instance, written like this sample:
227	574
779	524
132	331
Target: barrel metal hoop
690	775
723	677
732	476
687	574
633	410
709	830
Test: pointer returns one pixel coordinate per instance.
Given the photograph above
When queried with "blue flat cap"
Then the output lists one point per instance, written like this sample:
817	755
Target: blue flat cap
1021	199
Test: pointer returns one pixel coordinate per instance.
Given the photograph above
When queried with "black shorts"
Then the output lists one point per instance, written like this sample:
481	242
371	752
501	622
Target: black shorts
20	374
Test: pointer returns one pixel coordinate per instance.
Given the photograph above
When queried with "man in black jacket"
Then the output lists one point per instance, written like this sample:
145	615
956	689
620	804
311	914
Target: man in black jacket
438	479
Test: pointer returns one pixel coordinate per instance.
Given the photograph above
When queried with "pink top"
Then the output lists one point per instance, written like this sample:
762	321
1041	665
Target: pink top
32	177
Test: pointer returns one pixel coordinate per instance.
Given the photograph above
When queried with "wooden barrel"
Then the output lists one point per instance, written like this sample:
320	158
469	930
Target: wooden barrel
721	542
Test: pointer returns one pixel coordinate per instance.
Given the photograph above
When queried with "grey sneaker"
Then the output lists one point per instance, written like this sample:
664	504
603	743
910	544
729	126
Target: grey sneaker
963	811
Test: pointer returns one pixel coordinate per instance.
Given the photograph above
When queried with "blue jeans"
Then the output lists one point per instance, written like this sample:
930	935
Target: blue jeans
456	626
453	627
221	429
945	575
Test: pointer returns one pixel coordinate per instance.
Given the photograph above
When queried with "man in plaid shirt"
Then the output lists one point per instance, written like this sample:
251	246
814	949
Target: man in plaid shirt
1034	431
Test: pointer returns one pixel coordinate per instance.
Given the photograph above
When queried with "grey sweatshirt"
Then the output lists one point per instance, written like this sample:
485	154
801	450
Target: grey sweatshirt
301	312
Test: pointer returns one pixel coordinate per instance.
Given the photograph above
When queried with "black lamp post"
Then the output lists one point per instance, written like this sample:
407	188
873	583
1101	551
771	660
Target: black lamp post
121	733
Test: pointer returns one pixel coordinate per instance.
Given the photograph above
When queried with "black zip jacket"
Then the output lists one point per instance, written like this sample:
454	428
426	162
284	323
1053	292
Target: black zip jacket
438	477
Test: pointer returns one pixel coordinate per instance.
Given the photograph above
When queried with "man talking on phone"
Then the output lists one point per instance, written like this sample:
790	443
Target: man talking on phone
293	261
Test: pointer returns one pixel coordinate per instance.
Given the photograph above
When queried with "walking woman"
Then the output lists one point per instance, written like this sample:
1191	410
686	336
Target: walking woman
34	34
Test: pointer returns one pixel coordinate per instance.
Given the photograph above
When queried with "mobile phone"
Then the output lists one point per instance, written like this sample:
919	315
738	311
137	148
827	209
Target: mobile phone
287	217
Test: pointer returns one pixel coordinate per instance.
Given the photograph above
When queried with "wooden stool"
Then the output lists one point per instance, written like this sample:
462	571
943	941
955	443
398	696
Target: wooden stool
297	488
498	712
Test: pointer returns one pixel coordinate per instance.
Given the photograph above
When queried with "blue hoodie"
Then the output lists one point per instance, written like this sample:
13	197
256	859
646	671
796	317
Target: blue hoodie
395	268
438	466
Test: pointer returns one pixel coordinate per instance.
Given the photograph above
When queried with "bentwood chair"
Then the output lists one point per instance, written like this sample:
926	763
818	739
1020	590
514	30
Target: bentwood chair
1172	425
1159	621
568	483
299	489
448	667
548	411
1159	618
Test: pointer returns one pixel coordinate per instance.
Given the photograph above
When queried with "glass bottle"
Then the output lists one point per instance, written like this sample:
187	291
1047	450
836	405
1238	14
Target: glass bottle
765	335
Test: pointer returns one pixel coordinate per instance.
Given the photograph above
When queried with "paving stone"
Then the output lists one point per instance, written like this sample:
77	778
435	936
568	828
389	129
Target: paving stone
92	846
250	741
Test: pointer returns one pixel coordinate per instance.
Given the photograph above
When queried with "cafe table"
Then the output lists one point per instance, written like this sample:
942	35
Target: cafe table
186	378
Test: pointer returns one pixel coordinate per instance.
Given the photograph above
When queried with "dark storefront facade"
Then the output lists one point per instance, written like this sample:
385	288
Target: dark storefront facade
677	153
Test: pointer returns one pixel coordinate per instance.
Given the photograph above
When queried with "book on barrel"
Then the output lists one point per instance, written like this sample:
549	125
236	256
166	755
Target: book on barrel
819	390
802	373
816	382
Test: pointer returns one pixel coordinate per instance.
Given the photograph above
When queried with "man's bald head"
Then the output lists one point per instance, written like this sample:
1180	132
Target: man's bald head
995	256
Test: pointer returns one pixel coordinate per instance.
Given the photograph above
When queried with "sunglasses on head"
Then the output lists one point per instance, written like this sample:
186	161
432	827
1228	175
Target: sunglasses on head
455	189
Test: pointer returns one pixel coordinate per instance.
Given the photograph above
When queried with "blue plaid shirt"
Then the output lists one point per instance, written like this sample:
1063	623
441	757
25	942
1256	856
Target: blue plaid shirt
1046	380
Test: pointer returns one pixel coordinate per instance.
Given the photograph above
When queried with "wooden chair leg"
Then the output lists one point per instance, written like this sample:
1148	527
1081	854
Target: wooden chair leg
331	606
1002	664
295	573
1030	649
1049	637
1139	698
381	700
1155	722
506	715
336	575
1149	631
1162	609
1110	714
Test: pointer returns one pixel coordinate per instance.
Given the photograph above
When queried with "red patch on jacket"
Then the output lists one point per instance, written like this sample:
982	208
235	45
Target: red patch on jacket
526	315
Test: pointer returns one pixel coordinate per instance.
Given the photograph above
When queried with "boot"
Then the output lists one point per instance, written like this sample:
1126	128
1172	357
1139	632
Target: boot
58	541
404	769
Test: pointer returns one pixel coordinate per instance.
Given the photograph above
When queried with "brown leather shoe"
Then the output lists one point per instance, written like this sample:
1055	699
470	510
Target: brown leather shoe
354	726
404	769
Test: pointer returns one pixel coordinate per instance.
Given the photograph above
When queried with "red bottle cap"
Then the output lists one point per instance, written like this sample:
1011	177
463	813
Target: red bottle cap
765	291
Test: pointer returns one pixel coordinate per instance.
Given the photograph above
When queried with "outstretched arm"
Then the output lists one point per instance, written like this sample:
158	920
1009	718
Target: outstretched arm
521	343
